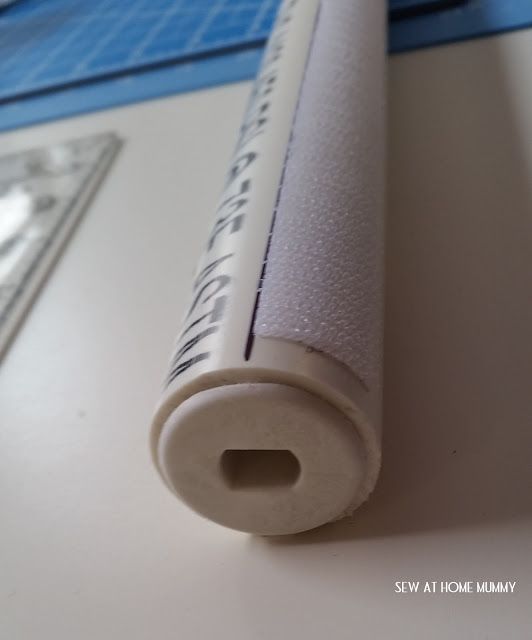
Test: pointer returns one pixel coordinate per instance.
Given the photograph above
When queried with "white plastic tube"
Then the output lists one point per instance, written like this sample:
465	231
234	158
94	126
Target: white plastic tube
258	433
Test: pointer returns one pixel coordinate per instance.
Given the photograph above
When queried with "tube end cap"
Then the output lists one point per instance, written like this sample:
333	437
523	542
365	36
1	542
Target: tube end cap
263	458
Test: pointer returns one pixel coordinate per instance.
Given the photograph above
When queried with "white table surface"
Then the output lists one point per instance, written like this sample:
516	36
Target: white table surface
92	546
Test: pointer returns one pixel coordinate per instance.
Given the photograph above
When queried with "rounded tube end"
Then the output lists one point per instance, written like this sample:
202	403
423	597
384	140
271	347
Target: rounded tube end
262	458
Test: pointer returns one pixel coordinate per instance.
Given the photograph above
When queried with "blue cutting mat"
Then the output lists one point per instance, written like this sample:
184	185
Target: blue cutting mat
50	43
64	57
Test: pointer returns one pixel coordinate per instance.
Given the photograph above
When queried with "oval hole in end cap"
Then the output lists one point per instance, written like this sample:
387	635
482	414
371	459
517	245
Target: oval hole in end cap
263	458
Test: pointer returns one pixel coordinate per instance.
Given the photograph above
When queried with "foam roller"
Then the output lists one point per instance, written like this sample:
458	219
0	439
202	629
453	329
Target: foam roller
271	416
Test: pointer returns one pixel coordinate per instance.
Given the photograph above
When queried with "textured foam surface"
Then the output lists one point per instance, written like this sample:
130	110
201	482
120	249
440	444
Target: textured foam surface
324	276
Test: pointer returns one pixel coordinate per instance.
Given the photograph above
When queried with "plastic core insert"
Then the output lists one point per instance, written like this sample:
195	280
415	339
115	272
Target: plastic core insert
263	458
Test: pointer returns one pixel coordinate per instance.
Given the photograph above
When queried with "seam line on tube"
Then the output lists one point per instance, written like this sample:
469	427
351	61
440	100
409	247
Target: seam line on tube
251	333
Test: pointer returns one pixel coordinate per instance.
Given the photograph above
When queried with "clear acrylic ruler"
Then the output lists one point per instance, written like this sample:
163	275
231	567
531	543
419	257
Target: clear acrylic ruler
43	193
